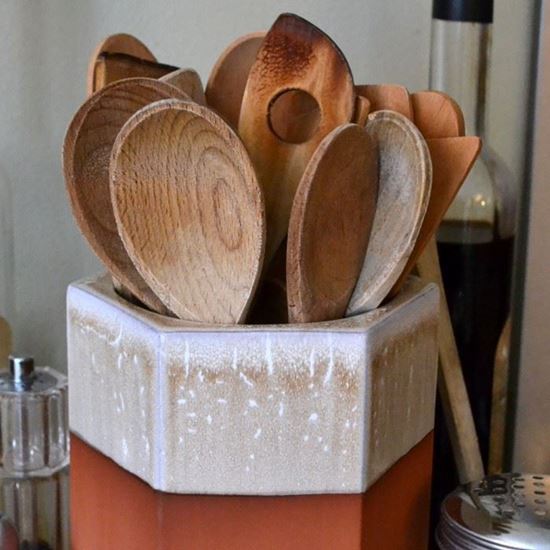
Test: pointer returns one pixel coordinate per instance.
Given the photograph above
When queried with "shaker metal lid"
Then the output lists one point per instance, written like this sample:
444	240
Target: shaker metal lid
22	376
505	511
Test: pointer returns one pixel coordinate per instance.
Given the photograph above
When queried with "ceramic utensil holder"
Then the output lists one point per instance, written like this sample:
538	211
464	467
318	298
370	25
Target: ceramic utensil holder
252	410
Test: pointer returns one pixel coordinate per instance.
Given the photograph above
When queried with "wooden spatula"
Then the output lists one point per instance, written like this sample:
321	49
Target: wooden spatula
330	224
405	175
295	55
86	155
189	210
452	160
225	87
390	97
115	44
188	81
437	115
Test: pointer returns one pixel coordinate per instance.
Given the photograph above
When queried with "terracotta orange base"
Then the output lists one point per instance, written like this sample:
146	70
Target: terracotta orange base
112	509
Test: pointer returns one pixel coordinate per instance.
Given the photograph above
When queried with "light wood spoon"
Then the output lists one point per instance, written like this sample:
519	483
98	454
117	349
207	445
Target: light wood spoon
295	55
225	87
115	44
390	97
86	155
405	175
189	210
330	224
437	115
188	81
452	160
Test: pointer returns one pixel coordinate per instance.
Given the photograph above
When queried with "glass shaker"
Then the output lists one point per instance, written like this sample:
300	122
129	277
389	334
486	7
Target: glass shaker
34	454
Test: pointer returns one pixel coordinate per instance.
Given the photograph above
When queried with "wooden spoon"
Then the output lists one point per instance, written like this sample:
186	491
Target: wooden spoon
86	154
330	224
295	55
116	43
189	210
188	81
437	115
390	97
111	67
362	110
452	160
405	174
225	87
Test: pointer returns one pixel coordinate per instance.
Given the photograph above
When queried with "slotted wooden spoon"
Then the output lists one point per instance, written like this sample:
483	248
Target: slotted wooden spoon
86	155
295	55
189	210
225	87
405	175
330	224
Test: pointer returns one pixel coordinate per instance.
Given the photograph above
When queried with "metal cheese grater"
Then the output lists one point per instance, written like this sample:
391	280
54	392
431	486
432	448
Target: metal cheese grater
34	454
504	512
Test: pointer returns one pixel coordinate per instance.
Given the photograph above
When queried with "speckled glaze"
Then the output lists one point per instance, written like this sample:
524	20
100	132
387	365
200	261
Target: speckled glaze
252	410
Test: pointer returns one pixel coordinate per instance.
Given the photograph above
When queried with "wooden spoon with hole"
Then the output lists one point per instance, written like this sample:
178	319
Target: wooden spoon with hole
225	87
403	192
86	155
391	97
189	210
125	44
330	224
298	58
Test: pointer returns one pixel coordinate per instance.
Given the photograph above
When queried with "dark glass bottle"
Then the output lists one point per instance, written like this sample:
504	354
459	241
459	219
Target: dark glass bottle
475	240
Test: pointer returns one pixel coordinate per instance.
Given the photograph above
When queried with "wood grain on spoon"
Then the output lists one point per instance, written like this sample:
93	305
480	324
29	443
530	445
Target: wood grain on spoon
452	160
188	81
391	97
405	175
117	43
295	55
189	210
225	87
330	225
86	155
437	115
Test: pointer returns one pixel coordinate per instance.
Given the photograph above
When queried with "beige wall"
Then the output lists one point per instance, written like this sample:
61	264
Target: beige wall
44	47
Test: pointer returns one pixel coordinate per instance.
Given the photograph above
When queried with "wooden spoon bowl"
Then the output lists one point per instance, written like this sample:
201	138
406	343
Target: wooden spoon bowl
86	155
189	210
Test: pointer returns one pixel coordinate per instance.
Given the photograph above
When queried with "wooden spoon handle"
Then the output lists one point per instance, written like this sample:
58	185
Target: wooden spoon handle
451	386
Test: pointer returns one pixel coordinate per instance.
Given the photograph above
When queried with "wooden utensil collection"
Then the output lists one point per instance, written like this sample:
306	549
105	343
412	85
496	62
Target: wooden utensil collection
281	192
190	220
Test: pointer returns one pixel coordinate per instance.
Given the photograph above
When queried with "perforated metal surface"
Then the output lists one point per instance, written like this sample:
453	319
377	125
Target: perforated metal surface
506	511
